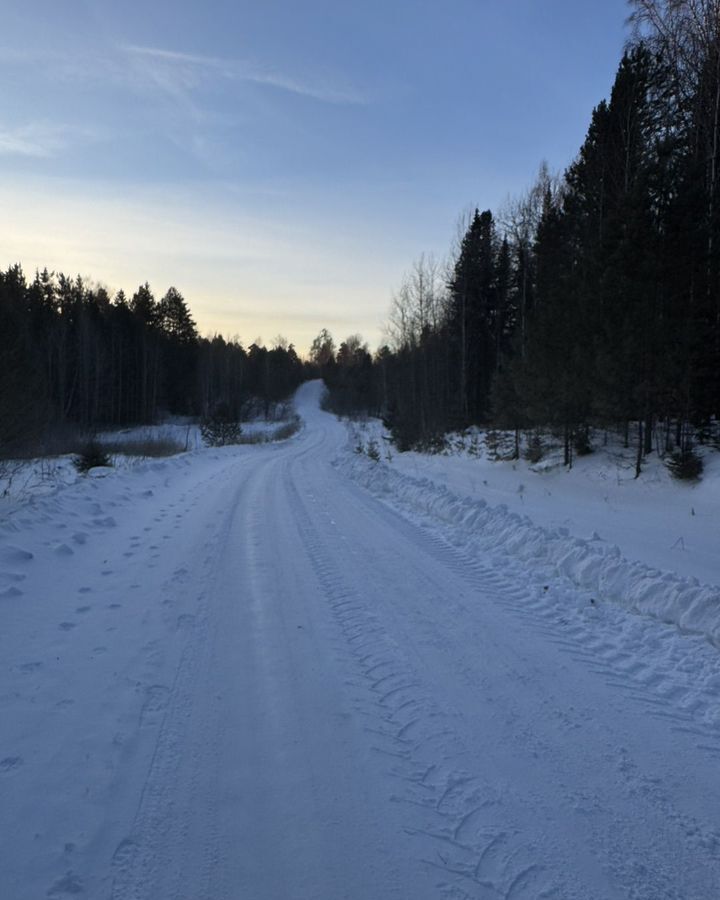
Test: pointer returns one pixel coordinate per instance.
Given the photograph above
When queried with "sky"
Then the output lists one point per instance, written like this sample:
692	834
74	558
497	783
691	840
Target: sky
281	163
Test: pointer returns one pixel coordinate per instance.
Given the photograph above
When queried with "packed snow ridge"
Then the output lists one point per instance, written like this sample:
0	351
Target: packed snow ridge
593	565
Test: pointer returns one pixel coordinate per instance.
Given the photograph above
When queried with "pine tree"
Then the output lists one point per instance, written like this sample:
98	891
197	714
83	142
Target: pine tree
473	316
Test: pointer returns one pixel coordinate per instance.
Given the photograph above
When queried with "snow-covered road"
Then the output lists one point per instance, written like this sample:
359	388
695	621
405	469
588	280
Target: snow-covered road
241	676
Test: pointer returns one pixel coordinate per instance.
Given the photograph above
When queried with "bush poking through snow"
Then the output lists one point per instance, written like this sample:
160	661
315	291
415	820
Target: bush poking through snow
373	451
534	450
92	456
685	465
221	427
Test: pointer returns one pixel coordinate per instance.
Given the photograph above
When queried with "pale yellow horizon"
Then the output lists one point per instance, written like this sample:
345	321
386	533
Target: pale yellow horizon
243	274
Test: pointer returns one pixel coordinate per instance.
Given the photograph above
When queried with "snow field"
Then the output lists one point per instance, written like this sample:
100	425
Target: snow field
284	671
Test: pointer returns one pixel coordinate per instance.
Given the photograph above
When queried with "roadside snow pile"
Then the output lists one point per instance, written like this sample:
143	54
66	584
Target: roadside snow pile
599	568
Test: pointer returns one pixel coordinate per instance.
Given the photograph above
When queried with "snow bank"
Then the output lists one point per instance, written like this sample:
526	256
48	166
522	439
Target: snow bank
592	565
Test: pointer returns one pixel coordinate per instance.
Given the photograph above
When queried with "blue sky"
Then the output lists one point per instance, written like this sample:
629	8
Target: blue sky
281	163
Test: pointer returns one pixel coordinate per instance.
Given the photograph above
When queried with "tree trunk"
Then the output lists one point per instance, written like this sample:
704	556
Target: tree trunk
647	445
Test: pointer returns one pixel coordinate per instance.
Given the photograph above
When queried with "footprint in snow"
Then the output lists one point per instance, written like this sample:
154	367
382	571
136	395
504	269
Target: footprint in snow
63	550
12	577
68	884
107	522
31	666
10	554
84	590
83	609
67	626
10	763
11	592
156	698
124	853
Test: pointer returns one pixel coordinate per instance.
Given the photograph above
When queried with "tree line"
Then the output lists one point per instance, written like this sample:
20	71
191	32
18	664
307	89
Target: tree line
594	298
74	357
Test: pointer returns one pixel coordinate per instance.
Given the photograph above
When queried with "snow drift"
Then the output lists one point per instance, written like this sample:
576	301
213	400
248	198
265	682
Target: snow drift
598	568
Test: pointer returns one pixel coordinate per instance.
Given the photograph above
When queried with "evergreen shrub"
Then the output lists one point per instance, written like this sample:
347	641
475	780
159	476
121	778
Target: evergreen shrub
685	465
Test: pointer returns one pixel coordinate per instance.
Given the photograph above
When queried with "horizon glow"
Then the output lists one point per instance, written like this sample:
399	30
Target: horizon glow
282	167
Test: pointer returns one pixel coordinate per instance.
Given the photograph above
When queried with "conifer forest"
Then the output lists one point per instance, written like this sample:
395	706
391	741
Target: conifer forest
75	358
594	298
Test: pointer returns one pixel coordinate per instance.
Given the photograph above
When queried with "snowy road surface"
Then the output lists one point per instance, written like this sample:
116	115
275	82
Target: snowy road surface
241	676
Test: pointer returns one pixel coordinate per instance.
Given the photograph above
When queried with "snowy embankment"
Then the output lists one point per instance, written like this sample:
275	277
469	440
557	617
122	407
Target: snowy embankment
599	568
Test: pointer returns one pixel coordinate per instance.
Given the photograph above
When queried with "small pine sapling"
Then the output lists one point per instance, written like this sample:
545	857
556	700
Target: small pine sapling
685	465
91	456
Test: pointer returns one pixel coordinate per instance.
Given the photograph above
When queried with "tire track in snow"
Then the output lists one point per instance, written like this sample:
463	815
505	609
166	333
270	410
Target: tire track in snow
458	838
661	683
588	631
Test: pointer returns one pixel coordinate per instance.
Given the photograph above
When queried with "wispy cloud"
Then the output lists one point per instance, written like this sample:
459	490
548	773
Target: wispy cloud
178	72
38	140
